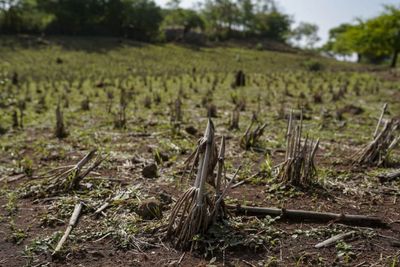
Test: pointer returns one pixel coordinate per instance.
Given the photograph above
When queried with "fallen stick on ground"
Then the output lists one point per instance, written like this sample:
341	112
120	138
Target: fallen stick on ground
394	242
331	241
12	178
245	180
108	202
304	215
72	222
388	177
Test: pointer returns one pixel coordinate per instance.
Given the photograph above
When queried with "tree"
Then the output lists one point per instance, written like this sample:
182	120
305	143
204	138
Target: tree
221	16
273	25
307	33
387	30
137	19
72	16
22	16
186	18
334	34
376	39
142	19
246	16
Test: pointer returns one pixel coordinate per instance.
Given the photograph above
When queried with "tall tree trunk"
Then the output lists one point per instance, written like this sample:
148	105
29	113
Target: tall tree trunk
359	58
394	58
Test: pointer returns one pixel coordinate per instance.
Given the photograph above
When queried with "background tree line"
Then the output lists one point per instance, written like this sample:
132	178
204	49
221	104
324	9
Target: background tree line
143	19
375	40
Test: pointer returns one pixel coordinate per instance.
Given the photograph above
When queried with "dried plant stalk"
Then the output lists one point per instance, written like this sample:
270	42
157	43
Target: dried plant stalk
195	211
234	124
250	138
67	178
176	110
60	131
120	119
377	152
191	214
384	108
298	169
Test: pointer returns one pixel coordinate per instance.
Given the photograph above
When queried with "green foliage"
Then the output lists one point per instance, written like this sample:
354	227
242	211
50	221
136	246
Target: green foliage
17	235
26	165
313	65
138	19
333	44
344	252
22	16
375	39
141	19
273	25
11	205
221	17
306	32
185	18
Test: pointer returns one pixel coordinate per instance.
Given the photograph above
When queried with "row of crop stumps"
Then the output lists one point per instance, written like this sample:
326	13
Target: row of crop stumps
197	208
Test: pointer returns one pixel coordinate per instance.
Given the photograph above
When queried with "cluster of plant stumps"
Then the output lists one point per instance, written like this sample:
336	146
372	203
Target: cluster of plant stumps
199	208
203	213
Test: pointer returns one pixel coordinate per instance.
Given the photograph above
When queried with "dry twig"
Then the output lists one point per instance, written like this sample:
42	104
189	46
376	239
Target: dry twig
72	222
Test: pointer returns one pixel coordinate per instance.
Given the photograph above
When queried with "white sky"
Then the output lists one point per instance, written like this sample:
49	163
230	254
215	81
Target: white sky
325	13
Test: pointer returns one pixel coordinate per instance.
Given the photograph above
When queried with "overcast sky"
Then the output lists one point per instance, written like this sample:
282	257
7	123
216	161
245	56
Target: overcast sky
325	13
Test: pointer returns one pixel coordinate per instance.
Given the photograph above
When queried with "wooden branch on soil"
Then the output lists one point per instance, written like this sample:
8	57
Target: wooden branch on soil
331	241
245	180
388	177
303	215
72	222
109	202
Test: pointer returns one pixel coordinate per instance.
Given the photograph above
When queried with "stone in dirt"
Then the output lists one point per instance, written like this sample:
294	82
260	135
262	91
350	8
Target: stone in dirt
191	130
150	209
351	109
165	198
150	171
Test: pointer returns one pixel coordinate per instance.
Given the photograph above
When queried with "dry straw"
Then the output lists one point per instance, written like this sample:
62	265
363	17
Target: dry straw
298	169
196	209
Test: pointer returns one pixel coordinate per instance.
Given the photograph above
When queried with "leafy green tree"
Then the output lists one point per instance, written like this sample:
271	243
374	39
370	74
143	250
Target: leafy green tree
10	16
306	32
374	40
221	16
186	18
137	19
142	19
71	16
334	34
22	16
385	31
247	15
273	25
358	39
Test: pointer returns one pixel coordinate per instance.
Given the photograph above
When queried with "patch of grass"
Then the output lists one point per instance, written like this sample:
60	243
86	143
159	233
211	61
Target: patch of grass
12	203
